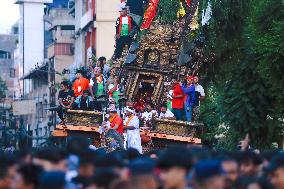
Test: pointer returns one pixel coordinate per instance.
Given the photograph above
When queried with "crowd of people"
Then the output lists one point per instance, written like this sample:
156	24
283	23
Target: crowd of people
78	166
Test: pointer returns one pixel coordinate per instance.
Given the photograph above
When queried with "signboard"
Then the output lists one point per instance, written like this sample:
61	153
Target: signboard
24	107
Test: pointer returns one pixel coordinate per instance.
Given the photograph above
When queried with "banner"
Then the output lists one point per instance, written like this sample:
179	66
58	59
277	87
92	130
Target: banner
149	14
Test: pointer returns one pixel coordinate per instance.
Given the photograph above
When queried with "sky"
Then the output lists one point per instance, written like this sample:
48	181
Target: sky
9	14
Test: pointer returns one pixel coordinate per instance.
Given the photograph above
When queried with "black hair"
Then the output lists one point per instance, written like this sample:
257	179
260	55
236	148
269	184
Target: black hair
51	154
6	161
80	71
76	145
175	157
132	153
102	59
110	160
164	106
65	83
250	156
30	174
263	182
104	177
174	77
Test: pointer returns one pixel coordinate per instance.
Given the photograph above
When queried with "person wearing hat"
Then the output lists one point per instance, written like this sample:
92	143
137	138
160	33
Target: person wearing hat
189	91
80	84
124	28
131	125
208	174
116	122
84	102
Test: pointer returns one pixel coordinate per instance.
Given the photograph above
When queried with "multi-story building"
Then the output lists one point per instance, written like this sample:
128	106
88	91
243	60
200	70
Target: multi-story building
45	53
60	51
94	28
8	44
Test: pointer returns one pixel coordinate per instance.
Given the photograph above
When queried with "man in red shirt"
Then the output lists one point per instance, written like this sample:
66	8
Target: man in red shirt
80	84
177	99
116	121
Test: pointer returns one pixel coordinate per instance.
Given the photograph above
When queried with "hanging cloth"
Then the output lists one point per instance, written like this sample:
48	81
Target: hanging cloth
149	14
181	12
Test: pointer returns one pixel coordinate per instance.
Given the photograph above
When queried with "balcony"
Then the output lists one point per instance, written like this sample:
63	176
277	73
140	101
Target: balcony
86	18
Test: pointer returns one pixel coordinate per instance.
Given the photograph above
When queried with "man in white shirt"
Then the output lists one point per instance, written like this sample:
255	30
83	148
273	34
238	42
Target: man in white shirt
166	113
131	125
149	113
199	96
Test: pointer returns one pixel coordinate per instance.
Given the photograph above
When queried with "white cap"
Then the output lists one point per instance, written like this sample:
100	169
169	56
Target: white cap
129	110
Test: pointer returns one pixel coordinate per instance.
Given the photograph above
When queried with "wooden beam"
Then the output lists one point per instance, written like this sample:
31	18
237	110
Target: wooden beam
151	134
59	133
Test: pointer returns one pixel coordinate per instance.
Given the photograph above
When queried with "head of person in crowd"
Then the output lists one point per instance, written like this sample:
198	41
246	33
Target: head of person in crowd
129	112
164	108
24	156
121	184
64	85
196	79
231	167
117	79
8	167
27	177
149	107
76	145
51	159
174	164
112	72
52	180
189	80
132	154
87	166
249	163
129	103
174	81
254	183
123	11
97	71
142	173
102	178
209	174
101	61
79	74
275	171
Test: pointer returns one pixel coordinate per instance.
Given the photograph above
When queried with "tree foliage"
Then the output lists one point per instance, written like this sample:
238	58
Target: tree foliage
246	37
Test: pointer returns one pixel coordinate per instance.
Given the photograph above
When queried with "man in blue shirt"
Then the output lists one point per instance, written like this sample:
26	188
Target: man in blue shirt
189	90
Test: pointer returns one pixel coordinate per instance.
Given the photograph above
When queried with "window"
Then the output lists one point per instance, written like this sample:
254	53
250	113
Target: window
5	55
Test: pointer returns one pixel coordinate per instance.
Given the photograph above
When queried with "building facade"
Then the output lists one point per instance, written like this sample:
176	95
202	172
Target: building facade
94	29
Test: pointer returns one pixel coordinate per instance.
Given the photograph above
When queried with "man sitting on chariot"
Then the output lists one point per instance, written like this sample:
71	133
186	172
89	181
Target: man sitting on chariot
166	113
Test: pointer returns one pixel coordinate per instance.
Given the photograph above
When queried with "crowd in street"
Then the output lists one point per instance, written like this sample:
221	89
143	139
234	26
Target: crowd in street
79	166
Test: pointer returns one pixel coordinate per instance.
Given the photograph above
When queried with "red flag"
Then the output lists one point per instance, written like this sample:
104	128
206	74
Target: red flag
149	14
188	3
